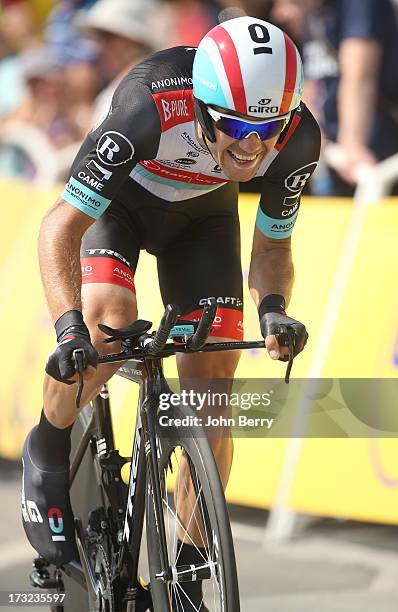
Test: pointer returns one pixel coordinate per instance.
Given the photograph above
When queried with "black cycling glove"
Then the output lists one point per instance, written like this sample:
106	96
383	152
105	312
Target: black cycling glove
275	322
72	334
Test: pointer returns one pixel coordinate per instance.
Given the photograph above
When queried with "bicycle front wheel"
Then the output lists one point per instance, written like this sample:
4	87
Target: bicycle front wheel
194	513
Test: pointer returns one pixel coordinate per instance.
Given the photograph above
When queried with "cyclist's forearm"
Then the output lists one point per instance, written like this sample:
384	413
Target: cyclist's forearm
59	258
271	271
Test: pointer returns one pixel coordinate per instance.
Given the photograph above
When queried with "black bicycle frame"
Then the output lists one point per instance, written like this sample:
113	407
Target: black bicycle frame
148	373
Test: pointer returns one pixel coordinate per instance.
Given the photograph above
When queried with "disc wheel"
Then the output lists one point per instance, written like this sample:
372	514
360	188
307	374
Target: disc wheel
192	502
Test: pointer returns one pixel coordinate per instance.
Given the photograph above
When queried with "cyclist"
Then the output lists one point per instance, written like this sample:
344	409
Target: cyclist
161	173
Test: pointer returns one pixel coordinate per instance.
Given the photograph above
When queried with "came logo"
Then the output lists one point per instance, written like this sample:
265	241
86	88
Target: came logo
297	179
114	149
293	203
98	172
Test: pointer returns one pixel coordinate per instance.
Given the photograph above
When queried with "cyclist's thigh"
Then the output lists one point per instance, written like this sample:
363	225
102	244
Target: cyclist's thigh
109	256
205	262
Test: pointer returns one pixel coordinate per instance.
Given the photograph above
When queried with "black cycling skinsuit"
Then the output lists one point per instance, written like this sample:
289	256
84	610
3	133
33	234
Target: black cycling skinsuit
143	174
150	184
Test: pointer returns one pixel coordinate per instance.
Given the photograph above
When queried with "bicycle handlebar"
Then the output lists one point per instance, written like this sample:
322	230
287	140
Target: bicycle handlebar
204	328
155	344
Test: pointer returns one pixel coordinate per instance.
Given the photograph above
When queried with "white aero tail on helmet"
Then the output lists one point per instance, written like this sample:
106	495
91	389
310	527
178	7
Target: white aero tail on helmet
247	66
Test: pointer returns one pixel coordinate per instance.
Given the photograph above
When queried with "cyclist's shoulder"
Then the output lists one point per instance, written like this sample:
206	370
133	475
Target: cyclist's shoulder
303	131
300	143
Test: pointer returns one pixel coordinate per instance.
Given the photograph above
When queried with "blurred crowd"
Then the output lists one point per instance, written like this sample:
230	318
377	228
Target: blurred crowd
60	62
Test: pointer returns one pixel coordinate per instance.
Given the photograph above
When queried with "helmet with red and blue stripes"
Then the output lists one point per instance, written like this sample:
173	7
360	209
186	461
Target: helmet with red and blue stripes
247	66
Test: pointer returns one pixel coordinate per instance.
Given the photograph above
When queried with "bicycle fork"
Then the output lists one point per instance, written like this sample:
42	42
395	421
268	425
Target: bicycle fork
151	451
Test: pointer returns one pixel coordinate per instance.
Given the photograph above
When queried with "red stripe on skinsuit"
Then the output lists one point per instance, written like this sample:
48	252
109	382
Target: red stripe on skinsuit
228	322
107	270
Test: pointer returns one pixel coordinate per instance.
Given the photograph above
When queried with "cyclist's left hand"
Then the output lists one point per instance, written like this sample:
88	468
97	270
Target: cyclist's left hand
270	328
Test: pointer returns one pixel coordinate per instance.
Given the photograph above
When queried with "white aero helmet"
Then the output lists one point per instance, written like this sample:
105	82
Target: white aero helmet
247	66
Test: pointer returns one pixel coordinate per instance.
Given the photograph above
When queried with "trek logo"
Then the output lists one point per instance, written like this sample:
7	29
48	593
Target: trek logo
100	252
114	149
263	107
297	179
56	523
217	169
174	108
129	371
133	479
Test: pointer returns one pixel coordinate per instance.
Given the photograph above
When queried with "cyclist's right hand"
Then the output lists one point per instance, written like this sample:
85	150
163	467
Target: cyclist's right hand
72	334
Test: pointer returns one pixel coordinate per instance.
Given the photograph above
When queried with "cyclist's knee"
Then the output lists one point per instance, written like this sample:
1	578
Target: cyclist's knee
109	304
221	364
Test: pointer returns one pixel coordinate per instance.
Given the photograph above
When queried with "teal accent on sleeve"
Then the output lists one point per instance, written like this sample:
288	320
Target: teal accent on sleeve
275	228
206	85
84	199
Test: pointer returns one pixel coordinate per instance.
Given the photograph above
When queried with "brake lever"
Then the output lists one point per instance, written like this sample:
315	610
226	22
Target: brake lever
286	337
79	359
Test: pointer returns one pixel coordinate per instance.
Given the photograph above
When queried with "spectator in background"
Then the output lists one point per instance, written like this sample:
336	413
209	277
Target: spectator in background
290	15
254	8
78	56
184	22
350	52
123	32
45	105
18	32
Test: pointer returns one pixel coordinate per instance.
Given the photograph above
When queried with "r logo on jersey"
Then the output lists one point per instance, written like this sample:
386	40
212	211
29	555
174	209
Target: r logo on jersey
114	149
297	179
